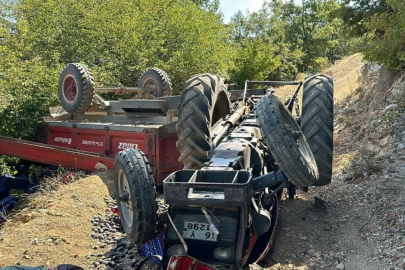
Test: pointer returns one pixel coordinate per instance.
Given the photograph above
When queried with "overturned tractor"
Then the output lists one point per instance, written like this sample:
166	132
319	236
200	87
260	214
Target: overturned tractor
222	207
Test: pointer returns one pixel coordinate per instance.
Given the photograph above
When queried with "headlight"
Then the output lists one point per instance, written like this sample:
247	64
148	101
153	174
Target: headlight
176	250
222	253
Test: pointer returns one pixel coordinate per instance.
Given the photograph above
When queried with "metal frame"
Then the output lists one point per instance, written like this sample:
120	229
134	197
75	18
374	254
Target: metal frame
155	106
275	83
54	155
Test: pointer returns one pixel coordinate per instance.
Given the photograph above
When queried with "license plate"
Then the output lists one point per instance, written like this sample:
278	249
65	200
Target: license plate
199	231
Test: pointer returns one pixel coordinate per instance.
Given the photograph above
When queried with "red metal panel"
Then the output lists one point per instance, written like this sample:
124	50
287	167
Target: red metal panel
98	141
59	136
92	142
167	155
120	140
158	144
59	156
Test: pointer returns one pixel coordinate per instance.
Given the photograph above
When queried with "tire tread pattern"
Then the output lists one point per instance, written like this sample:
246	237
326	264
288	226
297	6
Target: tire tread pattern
140	177
195	116
281	143
165	81
86	82
317	122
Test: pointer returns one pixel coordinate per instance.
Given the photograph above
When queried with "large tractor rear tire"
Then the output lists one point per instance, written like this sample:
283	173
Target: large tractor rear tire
317	123
155	82
204	101
76	88
288	146
136	195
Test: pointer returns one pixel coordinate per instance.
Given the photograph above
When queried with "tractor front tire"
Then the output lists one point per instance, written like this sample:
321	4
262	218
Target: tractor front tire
204	101
317	123
136	195
76	88
155	82
285	140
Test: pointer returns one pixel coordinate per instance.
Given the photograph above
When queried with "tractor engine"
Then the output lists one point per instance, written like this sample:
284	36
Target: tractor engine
210	208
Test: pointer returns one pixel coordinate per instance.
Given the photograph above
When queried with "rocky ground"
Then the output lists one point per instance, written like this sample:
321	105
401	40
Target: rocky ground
108	232
357	222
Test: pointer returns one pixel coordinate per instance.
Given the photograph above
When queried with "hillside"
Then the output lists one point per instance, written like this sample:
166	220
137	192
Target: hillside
357	222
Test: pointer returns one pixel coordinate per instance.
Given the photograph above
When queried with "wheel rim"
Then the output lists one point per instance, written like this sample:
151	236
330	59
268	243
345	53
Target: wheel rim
303	146
69	89
150	86
125	199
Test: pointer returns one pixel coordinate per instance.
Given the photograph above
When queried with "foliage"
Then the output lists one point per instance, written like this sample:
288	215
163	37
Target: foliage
8	165
381	25
356	14
120	39
37	173
283	39
314	29
27	84
386	42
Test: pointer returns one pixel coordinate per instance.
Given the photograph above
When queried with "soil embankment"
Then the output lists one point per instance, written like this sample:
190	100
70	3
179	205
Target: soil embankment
55	228
356	222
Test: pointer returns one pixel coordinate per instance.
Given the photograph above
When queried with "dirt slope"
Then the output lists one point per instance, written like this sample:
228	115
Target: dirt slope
357	222
346	75
55	228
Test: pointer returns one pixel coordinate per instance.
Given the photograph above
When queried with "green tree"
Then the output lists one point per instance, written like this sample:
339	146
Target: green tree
314	28
357	13
119	40
386	38
283	39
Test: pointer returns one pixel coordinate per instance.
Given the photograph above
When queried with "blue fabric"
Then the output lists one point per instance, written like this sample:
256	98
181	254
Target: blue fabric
153	247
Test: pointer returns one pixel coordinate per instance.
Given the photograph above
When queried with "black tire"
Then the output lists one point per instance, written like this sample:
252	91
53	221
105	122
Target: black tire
293	155
204	101
76	88
317	123
136	195
156	82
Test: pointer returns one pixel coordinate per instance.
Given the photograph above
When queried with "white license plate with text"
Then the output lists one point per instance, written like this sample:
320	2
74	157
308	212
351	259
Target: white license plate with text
199	231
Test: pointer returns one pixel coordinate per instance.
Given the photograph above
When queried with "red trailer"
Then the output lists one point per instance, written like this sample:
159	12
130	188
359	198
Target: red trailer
89	131
157	141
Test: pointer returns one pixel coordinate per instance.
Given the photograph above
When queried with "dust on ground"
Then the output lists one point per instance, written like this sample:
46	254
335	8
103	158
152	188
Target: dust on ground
55	228
356	222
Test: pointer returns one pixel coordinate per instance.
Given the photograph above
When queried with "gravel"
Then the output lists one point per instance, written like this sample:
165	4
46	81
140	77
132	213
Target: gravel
112	250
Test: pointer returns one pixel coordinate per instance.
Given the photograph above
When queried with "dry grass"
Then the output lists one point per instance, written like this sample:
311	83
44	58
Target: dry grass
55	228
345	73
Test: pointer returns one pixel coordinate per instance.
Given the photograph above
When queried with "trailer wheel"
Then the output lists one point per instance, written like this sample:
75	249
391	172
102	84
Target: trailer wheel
156	82
136	195
317	123
204	101
285	140
76	88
